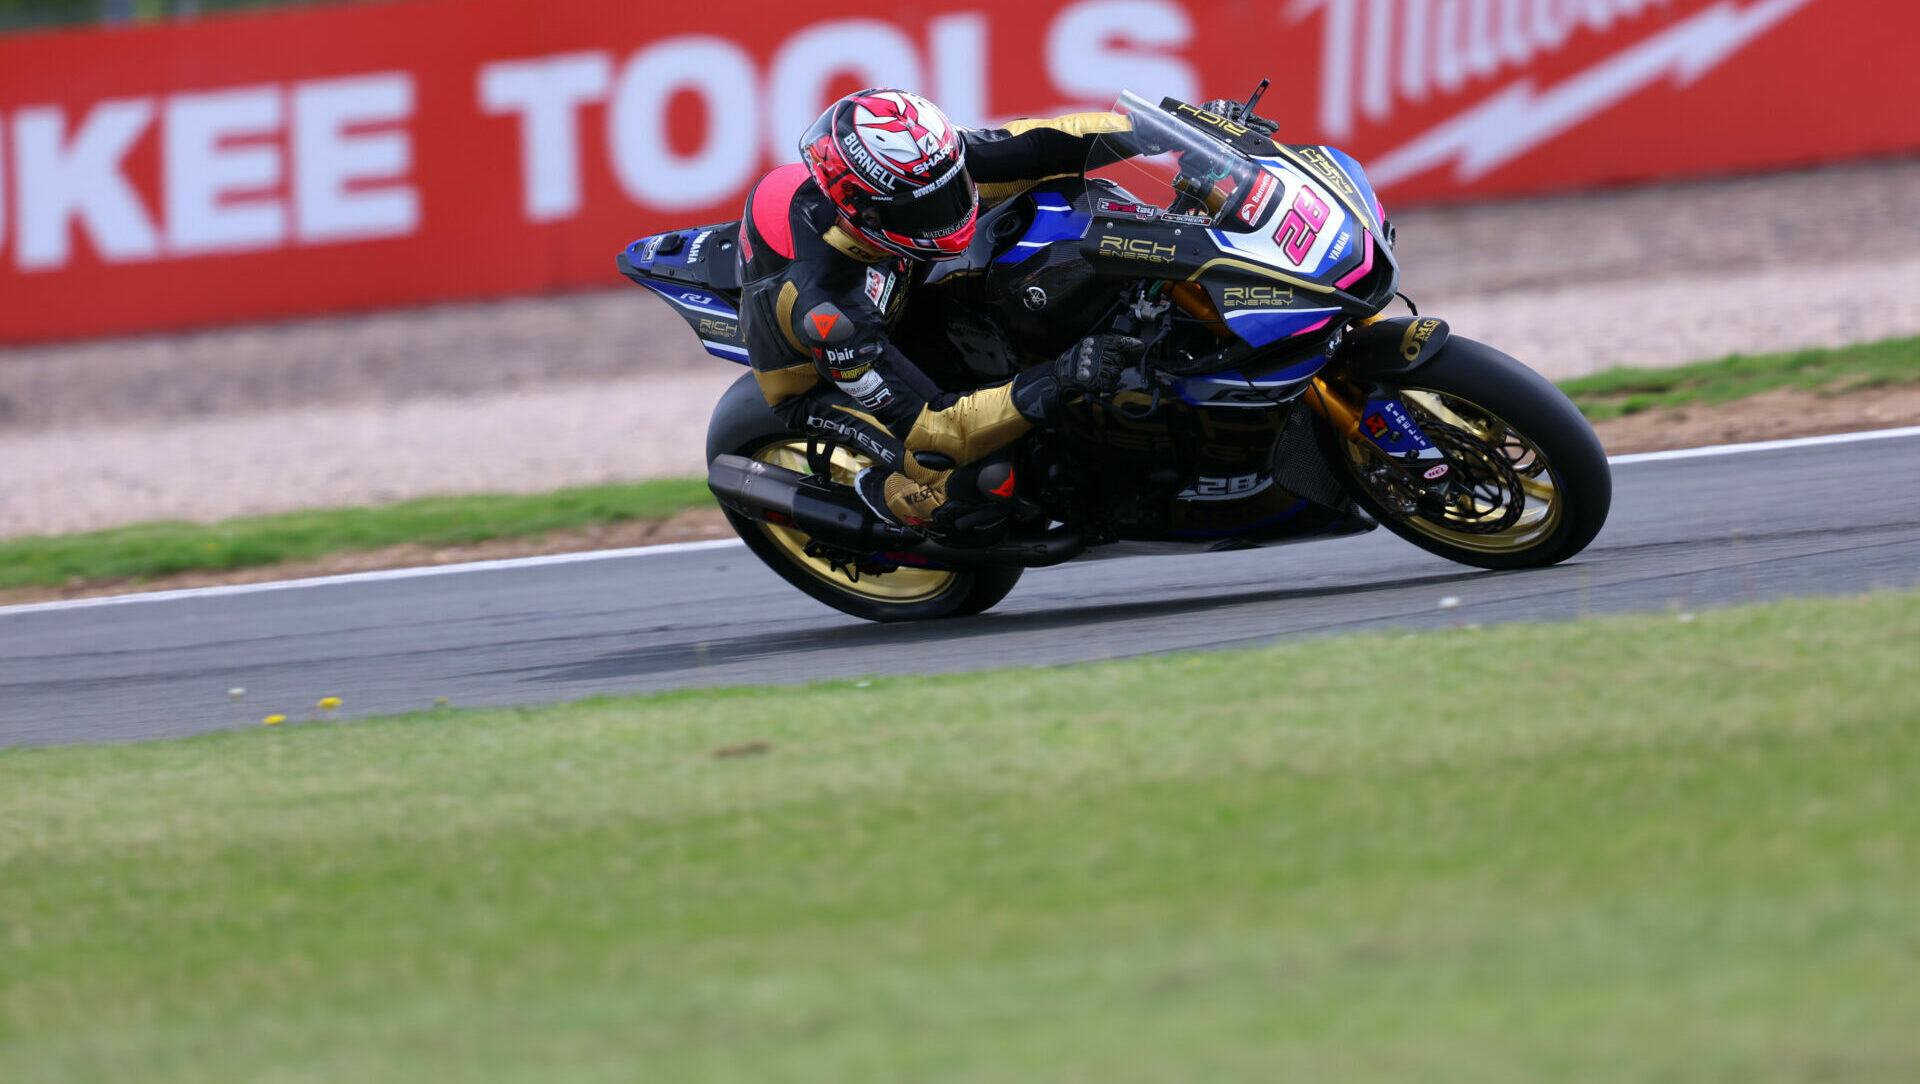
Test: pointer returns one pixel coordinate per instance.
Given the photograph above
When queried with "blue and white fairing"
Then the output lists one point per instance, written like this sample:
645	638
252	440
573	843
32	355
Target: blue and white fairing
694	271
712	307
1298	232
1342	251
1054	219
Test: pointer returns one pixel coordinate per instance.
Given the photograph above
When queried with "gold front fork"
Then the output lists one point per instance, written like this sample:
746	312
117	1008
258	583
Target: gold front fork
1327	400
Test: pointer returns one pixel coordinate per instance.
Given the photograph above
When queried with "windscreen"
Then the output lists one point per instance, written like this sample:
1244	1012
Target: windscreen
1166	167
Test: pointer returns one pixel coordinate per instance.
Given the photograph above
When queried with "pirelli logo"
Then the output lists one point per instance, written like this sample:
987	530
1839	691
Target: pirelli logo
1137	248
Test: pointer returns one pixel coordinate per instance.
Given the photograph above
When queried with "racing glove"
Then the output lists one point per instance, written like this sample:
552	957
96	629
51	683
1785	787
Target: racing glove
1091	368
1237	113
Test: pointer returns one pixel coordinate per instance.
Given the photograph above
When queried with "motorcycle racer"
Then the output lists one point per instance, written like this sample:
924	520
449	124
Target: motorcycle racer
1310	415
830	248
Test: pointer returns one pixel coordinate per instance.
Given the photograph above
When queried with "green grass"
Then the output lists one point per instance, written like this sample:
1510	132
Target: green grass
1854	368
1632	850
146	550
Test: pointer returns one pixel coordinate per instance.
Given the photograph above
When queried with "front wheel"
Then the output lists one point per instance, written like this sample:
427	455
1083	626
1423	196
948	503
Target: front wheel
1531	485
864	585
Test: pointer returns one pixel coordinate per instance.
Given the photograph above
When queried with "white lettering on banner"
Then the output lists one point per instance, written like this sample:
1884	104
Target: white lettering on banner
878	53
957	55
547	94
222	171
1376	94
1519	118
58	180
1449	65
1097	48
644	162
205	172
336	162
1442	44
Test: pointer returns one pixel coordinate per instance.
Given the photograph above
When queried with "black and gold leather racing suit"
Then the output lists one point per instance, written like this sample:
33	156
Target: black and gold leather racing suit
817	304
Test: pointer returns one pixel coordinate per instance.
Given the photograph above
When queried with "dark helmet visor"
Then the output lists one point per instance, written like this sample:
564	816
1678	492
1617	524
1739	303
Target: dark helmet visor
927	212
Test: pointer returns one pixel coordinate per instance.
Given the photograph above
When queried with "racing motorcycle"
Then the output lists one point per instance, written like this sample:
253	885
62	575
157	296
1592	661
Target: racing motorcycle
1276	401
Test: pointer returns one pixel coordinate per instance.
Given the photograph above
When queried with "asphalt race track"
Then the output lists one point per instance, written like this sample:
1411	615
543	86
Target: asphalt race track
1685	533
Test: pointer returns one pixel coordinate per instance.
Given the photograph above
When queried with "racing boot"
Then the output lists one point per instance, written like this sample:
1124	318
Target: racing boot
980	504
970	506
1091	368
896	499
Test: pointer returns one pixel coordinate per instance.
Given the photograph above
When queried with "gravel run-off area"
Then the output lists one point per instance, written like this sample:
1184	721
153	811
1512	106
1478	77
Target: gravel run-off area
534	394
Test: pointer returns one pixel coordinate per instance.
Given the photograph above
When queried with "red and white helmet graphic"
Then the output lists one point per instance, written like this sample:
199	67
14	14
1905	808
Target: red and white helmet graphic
895	167
904	132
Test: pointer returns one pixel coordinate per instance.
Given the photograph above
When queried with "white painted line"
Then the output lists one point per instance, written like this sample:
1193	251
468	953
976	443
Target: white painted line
724	543
1763	446
377	576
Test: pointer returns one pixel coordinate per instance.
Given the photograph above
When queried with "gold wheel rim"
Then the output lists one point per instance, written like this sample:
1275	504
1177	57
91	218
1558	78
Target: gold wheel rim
1544	507
901	585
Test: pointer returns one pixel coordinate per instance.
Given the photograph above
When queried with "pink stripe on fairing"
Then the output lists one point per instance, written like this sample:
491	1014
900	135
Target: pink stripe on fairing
1315	327
1366	265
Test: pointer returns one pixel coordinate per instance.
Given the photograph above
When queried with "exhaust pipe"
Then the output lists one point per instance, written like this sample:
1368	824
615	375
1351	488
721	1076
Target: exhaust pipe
791	499
834	515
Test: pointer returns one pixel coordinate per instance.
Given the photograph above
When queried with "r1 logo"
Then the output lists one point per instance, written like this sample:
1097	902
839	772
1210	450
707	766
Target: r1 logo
1302	226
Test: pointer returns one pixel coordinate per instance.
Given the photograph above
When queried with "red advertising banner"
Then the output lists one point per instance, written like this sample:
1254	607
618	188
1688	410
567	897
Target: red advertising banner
324	159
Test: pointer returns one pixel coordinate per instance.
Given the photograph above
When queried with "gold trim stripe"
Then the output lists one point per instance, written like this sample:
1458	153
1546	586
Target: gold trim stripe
843	239
863	416
909	466
779	385
978	424
1074	124
783	312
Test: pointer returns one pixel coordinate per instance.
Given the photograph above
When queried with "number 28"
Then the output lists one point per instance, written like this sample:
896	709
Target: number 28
1301	228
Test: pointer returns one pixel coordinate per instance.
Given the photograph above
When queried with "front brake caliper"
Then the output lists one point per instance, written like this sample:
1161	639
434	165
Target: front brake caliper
1390	427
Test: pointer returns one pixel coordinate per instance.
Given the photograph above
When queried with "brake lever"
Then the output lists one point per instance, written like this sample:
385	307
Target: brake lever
1247	109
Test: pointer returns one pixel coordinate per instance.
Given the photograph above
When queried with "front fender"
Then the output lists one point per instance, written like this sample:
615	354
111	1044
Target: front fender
1386	347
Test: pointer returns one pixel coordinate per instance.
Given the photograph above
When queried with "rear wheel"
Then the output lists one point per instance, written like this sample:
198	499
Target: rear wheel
864	585
1530	484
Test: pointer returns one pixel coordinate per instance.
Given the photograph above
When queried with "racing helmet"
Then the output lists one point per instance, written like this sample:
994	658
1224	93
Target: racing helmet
894	167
